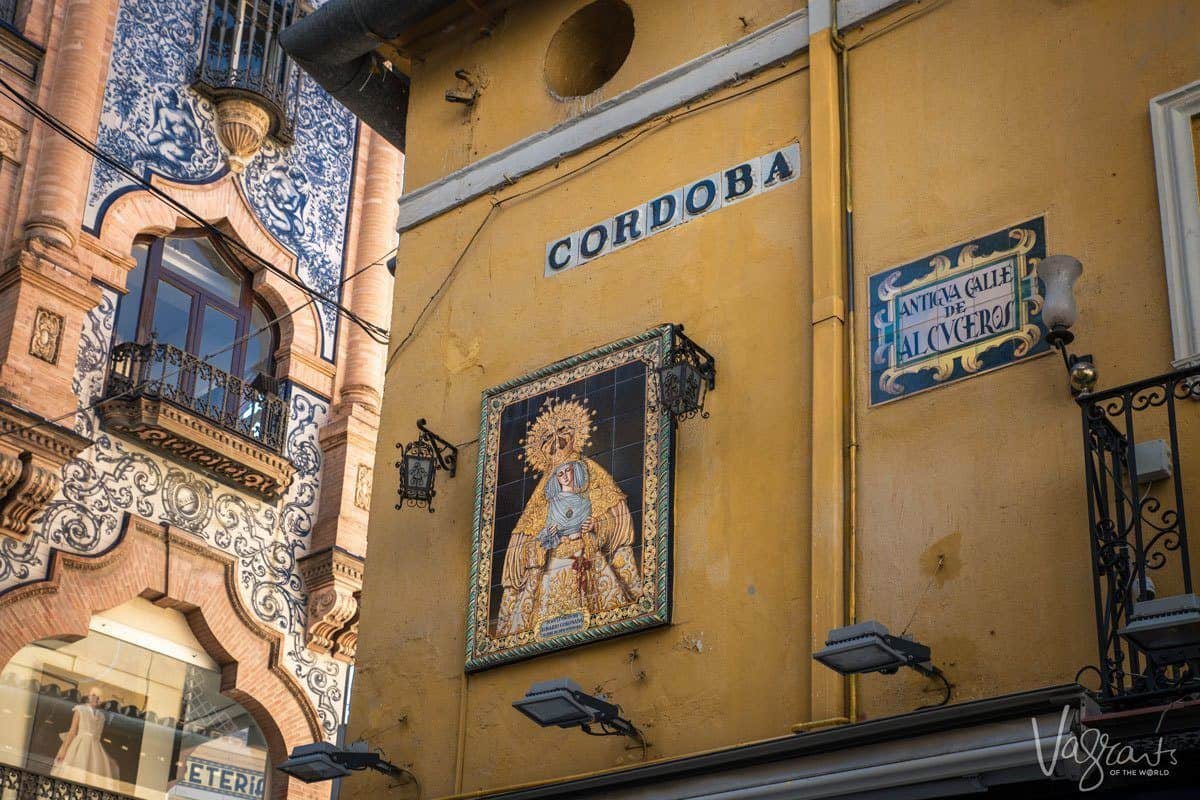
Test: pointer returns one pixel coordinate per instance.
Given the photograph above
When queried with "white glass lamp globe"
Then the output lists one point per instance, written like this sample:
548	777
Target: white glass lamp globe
1059	274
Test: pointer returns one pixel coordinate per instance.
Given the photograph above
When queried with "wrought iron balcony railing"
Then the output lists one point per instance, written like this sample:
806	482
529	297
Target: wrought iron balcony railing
17	784
241	55
1138	522
164	372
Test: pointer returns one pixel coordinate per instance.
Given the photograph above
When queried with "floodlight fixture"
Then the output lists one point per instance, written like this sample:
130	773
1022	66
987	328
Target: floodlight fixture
868	647
322	761
1168	628
561	702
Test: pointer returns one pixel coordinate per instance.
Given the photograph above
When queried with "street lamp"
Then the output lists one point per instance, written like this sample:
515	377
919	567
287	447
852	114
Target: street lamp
1059	312
421	460
868	647
563	703
322	761
685	377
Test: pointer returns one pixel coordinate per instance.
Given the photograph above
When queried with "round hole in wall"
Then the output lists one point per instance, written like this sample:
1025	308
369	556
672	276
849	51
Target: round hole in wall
589	48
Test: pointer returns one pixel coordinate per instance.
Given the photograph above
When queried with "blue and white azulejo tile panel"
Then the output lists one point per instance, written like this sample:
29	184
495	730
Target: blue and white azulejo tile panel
152	123
115	477
971	308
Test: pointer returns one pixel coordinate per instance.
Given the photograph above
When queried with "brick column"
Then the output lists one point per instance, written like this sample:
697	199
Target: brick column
370	294
61	178
45	291
333	570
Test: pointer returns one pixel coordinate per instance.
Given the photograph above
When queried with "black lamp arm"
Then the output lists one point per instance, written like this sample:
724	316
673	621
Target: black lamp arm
446	453
704	361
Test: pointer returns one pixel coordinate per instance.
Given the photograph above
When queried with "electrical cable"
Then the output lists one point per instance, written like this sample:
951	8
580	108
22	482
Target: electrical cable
920	11
168	375
499	203
934	672
376	332
1084	669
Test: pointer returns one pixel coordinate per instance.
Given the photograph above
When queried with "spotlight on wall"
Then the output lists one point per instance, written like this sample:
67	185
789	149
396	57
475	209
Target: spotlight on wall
422	458
322	761
1059	312
563	703
686	376
1167	628
868	647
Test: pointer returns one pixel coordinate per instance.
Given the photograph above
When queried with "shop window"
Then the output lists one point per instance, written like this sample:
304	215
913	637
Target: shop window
589	48
133	708
8	12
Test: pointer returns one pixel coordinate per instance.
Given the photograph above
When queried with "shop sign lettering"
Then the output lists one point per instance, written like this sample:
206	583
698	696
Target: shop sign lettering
228	780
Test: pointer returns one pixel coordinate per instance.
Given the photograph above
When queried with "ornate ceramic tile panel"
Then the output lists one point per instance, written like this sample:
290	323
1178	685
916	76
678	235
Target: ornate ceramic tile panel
115	477
153	123
573	505
971	308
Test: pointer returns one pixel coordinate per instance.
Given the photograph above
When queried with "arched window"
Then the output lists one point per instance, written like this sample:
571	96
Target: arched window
133	708
186	293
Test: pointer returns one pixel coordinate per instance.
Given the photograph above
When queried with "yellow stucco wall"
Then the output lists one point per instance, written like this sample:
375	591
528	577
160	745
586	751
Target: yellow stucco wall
740	572
966	118
508	65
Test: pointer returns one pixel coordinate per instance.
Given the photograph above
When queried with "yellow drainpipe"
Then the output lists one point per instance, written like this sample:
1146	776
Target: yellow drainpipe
831	699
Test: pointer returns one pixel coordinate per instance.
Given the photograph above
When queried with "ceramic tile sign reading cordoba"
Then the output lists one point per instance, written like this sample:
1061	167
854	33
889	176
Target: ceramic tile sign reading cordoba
739	182
969	309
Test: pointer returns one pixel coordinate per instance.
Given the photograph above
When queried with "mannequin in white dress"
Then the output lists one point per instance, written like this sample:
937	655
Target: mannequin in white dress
82	757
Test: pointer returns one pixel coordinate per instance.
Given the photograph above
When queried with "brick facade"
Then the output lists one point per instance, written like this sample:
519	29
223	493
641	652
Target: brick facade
53	263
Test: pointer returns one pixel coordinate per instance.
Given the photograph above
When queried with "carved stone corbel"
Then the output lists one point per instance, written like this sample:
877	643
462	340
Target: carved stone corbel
332	578
26	493
347	640
32	454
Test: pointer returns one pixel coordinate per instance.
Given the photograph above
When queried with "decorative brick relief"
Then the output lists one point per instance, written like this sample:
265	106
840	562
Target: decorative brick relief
362	487
47	335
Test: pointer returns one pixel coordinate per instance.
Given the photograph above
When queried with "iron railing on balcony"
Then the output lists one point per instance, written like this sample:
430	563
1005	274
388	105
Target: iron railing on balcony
164	372
1138	522
241	53
17	784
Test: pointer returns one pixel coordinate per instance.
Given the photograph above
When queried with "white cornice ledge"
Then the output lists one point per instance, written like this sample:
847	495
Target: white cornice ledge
768	45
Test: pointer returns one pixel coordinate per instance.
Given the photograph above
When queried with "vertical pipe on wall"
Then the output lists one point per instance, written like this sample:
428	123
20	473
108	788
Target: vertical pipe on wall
851	355
828	697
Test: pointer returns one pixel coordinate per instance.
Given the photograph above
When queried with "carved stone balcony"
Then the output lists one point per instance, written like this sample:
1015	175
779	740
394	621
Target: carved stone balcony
173	402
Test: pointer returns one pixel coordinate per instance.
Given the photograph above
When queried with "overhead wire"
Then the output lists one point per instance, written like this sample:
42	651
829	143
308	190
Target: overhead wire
208	357
376	332
497	203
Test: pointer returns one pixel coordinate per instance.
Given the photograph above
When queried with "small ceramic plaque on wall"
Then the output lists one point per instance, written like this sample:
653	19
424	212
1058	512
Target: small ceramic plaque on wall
573	505
971	308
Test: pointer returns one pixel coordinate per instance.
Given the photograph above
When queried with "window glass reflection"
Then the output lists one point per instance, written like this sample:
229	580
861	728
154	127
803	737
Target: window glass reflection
198	261
110	714
172	309
129	306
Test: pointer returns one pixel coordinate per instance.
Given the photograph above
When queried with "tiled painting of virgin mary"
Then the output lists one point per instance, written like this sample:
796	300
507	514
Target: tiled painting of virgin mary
572	529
